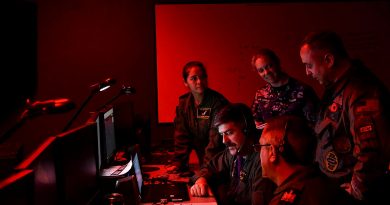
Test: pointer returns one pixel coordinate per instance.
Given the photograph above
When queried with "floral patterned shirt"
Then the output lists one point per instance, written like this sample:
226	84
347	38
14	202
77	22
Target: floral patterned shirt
294	98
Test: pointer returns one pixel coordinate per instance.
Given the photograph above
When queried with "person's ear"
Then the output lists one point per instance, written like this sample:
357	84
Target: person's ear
329	59
273	154
185	83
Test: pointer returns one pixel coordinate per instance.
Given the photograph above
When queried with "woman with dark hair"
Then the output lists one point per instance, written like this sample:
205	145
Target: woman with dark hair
193	121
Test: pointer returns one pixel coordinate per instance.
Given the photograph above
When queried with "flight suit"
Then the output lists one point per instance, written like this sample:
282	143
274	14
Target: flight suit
353	131
193	128
308	186
243	186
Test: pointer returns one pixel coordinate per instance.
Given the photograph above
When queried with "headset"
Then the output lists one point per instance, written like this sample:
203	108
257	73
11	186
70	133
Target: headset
245	130
238	111
281	147
285	149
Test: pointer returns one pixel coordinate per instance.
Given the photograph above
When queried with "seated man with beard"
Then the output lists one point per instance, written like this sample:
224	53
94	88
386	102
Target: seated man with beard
234	175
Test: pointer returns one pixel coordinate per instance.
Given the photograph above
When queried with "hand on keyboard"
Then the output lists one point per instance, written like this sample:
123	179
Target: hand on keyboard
172	169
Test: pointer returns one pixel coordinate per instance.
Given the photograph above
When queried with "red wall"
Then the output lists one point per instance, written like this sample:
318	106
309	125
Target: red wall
81	42
224	36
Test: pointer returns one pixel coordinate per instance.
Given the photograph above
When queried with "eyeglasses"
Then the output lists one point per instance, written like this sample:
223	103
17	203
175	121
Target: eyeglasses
257	147
266	67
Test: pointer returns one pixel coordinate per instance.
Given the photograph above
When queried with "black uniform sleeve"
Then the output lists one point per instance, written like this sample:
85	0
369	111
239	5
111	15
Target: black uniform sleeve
369	128
215	144
311	107
262	188
217	169
181	139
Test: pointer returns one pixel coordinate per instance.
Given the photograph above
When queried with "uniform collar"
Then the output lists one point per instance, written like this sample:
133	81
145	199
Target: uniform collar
336	87
295	181
190	99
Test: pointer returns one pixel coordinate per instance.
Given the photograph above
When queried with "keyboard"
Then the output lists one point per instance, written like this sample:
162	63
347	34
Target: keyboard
171	191
116	170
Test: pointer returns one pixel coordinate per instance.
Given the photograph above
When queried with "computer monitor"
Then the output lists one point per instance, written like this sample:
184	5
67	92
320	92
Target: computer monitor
106	136
43	163
17	187
137	171
77	174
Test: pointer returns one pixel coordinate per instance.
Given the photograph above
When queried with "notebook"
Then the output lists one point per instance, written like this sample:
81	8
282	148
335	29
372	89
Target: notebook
158	192
117	170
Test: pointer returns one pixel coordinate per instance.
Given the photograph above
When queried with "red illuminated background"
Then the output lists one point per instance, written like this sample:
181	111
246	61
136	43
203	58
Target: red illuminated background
224	36
58	48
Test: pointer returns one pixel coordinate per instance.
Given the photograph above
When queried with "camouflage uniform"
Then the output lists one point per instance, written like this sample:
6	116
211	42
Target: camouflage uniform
353	130
231	186
193	128
294	98
309	186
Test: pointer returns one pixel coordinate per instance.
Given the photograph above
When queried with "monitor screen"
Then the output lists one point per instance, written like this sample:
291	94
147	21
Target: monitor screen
43	163
106	136
76	157
17	187
137	171
109	130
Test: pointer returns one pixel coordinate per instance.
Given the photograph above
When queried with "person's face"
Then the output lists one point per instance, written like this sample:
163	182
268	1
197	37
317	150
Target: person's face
267	70
265	155
232	136
315	66
196	80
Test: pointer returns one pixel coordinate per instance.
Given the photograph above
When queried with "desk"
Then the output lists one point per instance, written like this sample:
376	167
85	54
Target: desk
160	170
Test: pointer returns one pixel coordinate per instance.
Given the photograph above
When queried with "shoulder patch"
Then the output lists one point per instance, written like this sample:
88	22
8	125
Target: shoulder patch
366	128
203	113
289	196
331	161
369	106
366	134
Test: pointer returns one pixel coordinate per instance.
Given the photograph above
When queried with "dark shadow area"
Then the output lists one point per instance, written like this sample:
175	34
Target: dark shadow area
18	23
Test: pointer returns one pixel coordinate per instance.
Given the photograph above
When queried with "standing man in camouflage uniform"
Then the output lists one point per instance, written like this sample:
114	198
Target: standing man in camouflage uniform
282	95
194	117
353	126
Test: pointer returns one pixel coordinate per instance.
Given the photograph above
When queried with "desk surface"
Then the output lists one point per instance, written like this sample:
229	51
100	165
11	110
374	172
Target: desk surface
160	171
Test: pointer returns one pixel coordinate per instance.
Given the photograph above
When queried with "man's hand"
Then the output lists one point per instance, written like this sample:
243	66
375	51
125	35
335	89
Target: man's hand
172	169
347	187
201	188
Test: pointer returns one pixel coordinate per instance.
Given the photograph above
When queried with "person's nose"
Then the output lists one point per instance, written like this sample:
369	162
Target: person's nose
308	72
225	139
266	71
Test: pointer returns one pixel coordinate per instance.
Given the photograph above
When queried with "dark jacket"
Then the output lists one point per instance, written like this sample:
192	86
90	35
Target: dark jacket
354	133
309	186
193	128
229	187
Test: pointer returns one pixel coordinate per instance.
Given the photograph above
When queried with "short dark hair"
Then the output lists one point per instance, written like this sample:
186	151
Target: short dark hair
240	114
299	141
326	40
191	64
267	53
